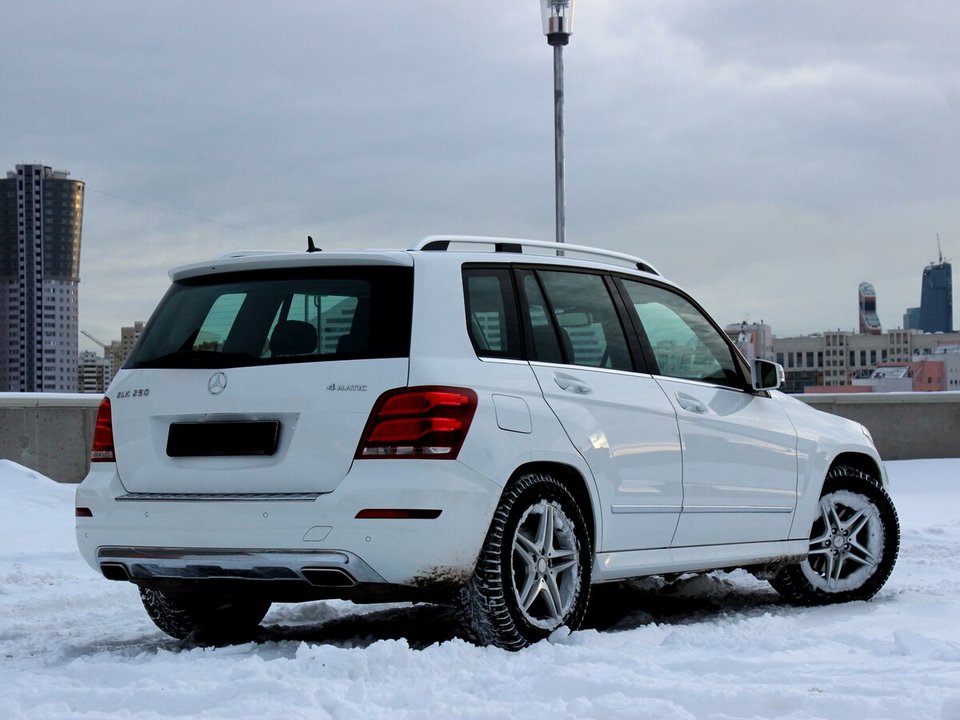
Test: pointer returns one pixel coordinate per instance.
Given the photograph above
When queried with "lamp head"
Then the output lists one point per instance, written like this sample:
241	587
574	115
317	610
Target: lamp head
557	18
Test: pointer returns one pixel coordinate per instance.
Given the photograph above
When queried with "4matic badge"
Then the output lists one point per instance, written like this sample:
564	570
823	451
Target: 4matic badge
334	387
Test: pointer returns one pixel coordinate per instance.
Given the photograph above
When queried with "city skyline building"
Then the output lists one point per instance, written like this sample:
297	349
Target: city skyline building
94	372
869	320
834	359
754	340
911	319
41	219
936	298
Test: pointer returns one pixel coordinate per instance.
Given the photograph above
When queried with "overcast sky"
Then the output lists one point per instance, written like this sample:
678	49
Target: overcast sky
768	156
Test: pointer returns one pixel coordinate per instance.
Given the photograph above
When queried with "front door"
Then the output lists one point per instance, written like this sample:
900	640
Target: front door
739	447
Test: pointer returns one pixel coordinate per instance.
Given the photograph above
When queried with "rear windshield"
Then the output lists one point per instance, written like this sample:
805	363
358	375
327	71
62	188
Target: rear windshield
263	318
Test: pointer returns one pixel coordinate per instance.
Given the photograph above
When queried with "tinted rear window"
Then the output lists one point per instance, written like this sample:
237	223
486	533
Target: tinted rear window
262	318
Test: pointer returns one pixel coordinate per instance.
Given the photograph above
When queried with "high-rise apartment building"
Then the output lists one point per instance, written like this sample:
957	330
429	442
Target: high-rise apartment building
93	372
41	215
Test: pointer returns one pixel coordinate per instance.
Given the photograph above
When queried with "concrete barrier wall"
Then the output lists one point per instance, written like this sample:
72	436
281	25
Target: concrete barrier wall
52	433
49	432
905	425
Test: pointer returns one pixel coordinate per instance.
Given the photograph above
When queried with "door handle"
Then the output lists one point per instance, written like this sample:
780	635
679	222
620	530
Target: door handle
572	384
688	402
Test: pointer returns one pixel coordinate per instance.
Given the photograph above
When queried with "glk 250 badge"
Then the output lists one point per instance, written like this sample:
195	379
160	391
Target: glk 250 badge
139	392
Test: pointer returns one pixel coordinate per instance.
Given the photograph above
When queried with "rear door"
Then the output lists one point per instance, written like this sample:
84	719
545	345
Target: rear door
616	417
260	381
739	447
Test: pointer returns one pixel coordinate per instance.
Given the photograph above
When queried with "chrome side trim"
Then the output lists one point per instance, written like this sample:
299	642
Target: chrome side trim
502	361
706	509
218	497
143	563
643	509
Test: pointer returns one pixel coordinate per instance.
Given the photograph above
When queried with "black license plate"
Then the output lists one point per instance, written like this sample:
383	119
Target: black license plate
221	439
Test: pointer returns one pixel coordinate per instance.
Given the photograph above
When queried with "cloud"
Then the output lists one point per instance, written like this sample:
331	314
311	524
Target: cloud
805	147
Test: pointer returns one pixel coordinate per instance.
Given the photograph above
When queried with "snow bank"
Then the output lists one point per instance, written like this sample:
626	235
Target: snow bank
73	645
36	513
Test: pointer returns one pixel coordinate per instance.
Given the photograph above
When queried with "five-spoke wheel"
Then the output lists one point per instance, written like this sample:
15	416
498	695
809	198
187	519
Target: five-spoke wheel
854	543
546	565
533	575
846	544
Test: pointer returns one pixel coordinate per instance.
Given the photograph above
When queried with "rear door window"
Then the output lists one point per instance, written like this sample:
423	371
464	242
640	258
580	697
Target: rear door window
298	315
589	327
544	342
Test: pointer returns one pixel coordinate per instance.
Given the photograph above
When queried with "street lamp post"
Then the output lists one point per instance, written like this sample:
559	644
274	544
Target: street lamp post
557	26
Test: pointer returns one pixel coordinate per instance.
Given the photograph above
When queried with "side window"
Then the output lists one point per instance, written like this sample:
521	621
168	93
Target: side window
491	312
685	344
589	326
544	344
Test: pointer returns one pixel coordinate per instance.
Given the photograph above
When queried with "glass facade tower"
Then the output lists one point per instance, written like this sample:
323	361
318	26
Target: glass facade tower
936	298
41	215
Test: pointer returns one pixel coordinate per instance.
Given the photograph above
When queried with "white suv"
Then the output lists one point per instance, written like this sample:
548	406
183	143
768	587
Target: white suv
479	421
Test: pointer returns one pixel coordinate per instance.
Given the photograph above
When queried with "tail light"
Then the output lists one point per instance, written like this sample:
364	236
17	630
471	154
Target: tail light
419	422
102	450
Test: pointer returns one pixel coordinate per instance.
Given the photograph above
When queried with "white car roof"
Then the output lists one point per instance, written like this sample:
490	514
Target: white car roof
455	248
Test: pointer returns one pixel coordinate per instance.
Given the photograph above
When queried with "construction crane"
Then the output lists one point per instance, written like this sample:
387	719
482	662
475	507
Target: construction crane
99	342
109	350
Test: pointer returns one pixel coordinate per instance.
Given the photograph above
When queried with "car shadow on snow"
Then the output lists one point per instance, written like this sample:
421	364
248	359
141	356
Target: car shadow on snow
684	600
614	607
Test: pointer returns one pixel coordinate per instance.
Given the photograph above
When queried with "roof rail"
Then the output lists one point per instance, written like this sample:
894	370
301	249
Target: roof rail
516	245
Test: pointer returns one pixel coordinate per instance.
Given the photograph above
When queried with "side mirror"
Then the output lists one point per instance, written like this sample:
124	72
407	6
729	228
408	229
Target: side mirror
766	375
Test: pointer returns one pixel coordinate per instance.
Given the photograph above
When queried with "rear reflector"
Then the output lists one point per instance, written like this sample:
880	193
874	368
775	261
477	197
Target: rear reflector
102	450
397	514
83	512
419	422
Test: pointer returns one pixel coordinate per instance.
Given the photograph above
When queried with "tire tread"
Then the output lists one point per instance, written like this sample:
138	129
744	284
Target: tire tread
483	610
791	583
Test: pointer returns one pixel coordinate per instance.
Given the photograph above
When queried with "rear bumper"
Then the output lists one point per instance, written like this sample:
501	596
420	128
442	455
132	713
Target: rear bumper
317	568
303	538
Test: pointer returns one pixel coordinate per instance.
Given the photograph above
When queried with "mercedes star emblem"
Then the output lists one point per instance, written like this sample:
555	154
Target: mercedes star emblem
217	383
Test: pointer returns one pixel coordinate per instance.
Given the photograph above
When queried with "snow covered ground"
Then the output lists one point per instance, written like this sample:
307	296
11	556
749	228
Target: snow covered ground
73	645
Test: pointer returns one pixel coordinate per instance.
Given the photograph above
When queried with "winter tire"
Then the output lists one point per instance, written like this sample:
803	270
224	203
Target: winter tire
533	574
854	543
206	619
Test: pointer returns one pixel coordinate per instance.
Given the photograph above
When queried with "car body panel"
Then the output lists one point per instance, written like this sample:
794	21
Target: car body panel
626	430
317	439
739	465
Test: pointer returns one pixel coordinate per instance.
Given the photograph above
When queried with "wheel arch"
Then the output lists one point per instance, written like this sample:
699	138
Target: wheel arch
858	461
574	481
